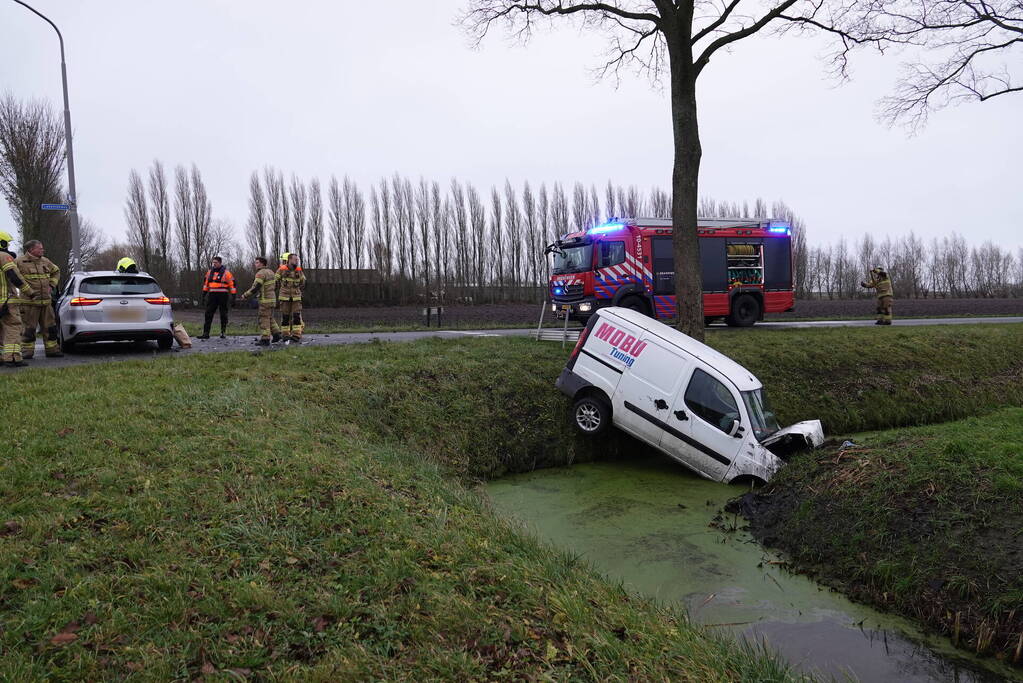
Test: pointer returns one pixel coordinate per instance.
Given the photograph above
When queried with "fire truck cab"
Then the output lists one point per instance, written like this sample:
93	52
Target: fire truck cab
746	265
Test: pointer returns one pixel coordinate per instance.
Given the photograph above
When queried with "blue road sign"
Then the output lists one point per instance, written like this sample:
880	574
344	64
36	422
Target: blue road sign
56	207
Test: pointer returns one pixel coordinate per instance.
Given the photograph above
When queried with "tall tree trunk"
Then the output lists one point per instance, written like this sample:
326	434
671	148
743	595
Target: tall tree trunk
685	188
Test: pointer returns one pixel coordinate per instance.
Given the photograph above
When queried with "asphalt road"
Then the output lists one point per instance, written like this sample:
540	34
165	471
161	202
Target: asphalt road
108	352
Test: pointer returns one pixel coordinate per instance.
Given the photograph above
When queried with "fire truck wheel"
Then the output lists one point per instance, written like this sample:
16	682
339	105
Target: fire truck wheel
634	303
591	415
745	311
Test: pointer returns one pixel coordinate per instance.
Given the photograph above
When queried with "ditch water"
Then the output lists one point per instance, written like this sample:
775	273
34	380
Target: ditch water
648	524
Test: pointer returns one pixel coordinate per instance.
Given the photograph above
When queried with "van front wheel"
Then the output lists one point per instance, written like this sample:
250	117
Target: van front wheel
591	415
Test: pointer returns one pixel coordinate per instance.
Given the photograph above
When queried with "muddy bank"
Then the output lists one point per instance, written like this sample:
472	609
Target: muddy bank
926	523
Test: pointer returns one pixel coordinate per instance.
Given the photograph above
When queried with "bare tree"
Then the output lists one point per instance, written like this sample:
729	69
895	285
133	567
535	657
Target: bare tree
580	207
31	163
559	211
533	234
462	240
314	225
964	49
202	219
276	204
136	215
183	217
160	218
298	216
257	223
478	233
513	242
336	223
424	215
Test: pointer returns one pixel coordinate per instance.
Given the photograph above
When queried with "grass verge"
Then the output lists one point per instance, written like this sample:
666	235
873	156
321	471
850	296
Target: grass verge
274	516
926	522
298	513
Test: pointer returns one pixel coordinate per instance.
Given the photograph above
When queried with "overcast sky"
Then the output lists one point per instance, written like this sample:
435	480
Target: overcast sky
370	88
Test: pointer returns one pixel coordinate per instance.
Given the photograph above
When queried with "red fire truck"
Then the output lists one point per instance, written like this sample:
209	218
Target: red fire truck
747	269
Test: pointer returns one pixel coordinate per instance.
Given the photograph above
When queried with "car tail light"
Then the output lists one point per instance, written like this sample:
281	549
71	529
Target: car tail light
158	300
85	301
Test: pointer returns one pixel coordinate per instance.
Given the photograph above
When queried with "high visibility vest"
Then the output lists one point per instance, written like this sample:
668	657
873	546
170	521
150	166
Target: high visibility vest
220	280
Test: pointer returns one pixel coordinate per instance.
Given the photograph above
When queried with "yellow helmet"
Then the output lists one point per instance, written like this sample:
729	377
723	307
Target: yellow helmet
126	265
5	237
284	256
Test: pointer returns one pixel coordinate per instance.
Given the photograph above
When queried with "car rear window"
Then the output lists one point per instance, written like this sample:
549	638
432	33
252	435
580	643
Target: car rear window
119	285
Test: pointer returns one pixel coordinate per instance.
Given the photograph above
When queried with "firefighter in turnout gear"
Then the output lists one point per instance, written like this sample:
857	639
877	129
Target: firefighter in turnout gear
10	311
263	285
218	288
291	282
41	277
880	281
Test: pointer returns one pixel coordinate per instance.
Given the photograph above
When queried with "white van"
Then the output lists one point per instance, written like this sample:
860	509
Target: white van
682	397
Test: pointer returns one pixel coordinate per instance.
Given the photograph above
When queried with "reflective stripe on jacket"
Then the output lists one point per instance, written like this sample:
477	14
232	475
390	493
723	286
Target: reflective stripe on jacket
41	276
292	282
883	287
264	286
220	280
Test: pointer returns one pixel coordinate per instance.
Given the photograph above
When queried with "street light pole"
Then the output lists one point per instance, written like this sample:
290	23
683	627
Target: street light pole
76	238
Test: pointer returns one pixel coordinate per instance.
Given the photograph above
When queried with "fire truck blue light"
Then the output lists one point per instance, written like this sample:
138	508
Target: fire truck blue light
784	230
559	290
606	228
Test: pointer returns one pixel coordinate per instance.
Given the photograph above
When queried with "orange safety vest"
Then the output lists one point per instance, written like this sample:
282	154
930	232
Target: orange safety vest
219	281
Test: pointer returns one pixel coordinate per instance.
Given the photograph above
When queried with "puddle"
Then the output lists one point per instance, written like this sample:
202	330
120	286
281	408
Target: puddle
647	524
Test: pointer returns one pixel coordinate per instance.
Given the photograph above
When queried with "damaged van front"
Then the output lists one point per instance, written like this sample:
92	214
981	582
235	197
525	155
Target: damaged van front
768	446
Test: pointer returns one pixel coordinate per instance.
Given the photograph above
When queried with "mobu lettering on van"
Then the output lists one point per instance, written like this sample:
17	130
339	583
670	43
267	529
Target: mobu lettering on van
690	402
624	346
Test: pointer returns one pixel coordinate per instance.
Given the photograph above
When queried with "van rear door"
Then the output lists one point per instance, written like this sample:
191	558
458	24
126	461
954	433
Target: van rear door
648	385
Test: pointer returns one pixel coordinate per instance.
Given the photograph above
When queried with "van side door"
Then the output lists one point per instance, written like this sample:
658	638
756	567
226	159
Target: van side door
642	401
701	418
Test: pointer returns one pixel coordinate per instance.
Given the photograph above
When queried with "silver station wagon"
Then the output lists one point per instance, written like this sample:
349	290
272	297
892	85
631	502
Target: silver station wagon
110	306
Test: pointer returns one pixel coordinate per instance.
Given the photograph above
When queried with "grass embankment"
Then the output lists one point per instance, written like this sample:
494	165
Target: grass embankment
299	513
283	516
926	522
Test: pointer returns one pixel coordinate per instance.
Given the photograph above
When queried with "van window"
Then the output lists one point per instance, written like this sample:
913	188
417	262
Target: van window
711	400
611	254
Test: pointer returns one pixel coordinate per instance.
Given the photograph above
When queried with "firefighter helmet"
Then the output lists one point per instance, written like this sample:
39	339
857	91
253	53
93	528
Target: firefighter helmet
5	238
284	256
126	265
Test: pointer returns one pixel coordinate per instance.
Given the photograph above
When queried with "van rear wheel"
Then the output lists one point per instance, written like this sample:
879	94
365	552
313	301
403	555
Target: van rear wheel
591	415
745	311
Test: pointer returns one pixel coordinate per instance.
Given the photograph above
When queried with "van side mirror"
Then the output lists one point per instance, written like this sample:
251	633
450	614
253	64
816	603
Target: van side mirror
736	429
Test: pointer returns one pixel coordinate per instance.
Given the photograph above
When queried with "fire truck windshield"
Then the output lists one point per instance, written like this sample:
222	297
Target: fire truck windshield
764	422
573	259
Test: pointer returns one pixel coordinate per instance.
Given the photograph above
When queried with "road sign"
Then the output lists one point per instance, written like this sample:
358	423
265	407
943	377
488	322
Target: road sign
56	207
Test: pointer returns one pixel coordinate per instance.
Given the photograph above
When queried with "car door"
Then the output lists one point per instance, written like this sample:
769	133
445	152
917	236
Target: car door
643	398
701	418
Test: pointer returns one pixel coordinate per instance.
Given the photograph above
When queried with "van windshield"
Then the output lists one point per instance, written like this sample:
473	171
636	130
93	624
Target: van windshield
764	422
573	259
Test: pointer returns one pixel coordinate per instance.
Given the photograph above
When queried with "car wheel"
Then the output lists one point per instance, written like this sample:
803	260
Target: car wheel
634	303
591	415
165	343
745	311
